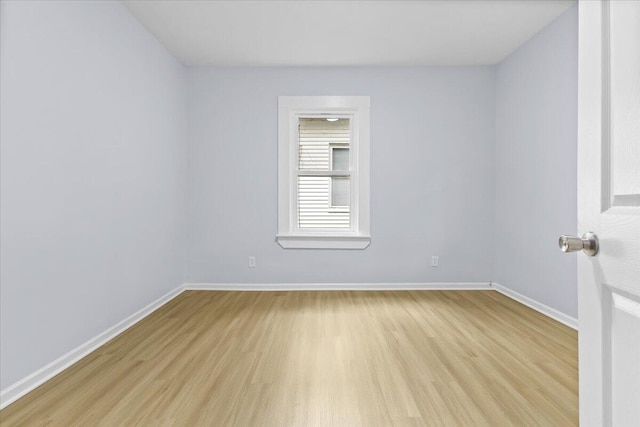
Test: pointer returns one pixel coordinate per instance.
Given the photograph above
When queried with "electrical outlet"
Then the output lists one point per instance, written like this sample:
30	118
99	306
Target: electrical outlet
252	262
434	261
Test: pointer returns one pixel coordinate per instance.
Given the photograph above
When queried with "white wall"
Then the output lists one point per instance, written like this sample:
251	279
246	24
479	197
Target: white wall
535	165
93	175
432	147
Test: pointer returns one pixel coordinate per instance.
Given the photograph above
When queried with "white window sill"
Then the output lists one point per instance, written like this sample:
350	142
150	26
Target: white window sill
323	242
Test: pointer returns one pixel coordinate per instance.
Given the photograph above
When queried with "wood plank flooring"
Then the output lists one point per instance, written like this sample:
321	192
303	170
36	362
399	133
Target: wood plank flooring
406	358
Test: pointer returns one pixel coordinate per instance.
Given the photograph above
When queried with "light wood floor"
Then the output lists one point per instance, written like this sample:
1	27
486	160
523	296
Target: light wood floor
407	358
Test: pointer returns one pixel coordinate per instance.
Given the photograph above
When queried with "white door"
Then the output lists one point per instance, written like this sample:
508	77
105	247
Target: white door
609	205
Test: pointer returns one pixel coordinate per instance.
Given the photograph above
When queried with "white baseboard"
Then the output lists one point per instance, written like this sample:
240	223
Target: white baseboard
334	286
30	382
571	322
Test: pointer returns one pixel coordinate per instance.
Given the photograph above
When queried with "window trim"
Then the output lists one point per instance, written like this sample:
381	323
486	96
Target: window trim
290	108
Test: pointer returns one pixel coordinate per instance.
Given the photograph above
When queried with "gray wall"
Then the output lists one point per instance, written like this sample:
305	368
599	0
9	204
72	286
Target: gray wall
93	175
432	145
535	165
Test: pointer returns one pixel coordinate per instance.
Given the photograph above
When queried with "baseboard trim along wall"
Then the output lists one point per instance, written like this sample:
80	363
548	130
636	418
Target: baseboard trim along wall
569	321
30	382
334	286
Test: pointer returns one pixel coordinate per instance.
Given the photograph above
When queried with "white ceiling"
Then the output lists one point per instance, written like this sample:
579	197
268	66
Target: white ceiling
344	33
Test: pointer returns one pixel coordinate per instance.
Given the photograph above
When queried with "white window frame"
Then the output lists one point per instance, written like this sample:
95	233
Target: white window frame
290	110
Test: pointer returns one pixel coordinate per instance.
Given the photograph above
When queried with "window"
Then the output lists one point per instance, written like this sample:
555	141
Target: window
323	172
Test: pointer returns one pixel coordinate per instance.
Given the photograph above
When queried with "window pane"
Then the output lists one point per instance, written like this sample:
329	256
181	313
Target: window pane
316	136
315	195
340	159
340	191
